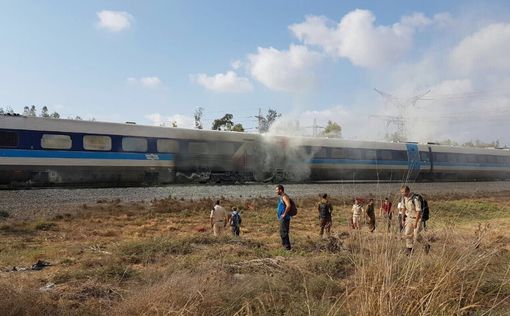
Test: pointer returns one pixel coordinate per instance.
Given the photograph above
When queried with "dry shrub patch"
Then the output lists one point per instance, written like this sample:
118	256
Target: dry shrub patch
138	265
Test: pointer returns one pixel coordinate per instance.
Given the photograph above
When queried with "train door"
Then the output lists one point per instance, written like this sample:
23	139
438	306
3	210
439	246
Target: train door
414	163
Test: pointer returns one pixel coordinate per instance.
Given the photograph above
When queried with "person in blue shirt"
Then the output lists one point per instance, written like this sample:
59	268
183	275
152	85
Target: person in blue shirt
282	212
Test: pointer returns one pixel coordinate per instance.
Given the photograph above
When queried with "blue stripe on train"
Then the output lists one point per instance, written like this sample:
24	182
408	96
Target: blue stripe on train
358	162
424	164
20	153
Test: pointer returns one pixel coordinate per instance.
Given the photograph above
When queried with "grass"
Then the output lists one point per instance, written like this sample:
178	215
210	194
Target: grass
131	259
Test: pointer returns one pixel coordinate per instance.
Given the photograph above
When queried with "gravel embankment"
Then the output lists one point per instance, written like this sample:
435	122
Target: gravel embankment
44	202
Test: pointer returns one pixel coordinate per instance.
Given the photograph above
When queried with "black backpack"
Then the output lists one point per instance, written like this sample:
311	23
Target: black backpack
324	210
293	208
425	212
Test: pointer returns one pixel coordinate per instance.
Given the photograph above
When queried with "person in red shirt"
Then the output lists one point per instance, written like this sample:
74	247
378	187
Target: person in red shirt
387	212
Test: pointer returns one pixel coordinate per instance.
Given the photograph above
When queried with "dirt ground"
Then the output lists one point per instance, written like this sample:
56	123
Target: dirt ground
159	257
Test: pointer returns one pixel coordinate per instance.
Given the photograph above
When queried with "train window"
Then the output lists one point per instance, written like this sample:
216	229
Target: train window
440	157
424	155
339	153
452	157
93	142
492	159
384	155
319	152
134	144
224	148
399	155
502	159
462	158
370	154
198	148
471	158
8	139
481	159
167	146
52	141
355	153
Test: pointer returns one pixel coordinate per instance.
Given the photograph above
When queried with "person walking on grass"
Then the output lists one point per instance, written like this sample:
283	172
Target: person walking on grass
387	212
218	219
325	208
413	224
282	212
235	222
371	215
357	210
401	216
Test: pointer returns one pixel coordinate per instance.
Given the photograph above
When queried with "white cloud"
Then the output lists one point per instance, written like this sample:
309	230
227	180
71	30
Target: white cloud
149	82
289	70
227	82
485	50
180	120
357	38
114	21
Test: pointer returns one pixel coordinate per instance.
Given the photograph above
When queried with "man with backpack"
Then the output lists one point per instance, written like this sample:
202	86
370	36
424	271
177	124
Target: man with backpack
235	221
285	209
325	208
413	205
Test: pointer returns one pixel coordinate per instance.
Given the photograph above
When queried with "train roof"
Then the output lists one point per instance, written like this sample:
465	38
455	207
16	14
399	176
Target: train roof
126	129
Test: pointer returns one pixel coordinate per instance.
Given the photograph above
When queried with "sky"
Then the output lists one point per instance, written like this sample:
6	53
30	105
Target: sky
156	62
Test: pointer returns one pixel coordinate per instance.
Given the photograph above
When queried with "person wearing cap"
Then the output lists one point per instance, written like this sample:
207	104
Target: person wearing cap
325	208
357	210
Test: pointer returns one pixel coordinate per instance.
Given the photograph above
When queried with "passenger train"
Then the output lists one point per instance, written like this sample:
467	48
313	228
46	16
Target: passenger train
56	152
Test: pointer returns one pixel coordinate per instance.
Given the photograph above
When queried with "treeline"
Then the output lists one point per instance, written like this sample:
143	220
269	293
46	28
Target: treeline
32	111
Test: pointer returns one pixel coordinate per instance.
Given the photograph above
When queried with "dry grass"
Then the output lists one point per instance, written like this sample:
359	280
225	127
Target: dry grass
155	259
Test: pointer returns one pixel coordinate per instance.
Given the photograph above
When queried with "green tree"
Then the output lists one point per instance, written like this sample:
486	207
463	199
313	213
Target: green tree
225	122
238	128
55	115
333	130
44	112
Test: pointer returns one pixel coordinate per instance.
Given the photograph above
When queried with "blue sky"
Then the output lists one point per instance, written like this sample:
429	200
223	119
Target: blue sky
154	62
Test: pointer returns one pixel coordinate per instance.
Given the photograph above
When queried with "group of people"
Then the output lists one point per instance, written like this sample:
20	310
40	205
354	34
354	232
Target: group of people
410	217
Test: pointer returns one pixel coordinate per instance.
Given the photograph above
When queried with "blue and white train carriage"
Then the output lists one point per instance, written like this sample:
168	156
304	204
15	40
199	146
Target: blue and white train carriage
43	151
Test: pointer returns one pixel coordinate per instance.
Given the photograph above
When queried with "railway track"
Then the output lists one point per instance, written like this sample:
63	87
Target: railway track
43	202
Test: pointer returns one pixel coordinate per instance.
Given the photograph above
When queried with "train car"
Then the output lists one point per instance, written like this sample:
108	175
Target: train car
43	152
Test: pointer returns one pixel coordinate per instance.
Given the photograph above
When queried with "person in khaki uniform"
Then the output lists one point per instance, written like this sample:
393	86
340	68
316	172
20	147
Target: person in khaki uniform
357	210
219	219
413	224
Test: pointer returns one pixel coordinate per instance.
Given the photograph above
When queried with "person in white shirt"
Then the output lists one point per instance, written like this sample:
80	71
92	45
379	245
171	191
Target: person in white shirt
219	219
401	218
357	210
